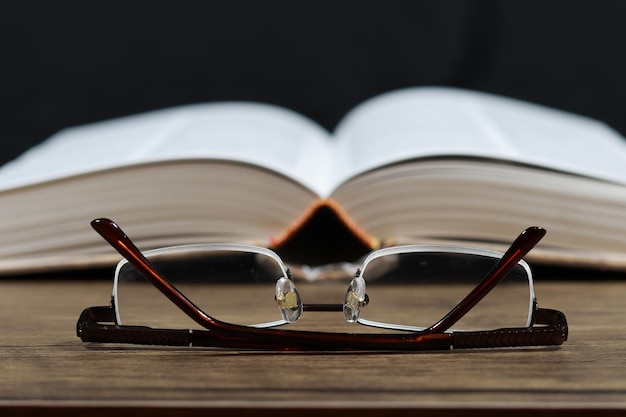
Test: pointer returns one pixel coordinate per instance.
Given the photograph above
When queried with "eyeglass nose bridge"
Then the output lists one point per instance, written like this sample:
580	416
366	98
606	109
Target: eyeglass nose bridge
291	307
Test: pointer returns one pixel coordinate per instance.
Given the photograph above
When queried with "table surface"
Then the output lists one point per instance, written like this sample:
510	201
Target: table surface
46	369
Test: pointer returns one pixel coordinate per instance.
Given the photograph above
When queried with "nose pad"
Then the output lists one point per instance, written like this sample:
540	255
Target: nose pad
356	297
288	300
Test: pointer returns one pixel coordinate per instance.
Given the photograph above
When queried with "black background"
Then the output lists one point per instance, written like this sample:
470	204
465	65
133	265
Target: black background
73	62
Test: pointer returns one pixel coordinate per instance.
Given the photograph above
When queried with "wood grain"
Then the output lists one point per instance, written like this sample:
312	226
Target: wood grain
46	369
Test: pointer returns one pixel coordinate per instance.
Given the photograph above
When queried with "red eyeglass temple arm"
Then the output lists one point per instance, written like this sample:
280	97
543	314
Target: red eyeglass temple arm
518	249
116	237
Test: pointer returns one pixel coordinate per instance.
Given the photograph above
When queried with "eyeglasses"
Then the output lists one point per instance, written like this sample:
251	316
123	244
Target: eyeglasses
406	298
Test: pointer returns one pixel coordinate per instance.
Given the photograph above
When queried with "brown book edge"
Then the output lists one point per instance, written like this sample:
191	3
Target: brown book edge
365	238
323	233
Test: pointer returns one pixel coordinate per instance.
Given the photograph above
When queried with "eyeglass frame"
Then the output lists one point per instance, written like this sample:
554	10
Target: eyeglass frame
548	327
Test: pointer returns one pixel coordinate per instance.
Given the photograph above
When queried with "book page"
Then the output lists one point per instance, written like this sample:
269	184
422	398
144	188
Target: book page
260	134
432	122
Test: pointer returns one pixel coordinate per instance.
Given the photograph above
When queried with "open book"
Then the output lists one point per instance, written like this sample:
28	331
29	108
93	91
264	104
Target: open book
410	166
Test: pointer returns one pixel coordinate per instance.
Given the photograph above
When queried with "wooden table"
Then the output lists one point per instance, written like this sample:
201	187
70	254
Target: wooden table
46	369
